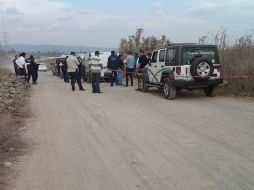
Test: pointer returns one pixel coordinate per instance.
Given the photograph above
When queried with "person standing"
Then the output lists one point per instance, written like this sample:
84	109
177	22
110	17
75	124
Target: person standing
95	66
122	59
32	69
149	59
142	61
15	65
22	65
130	68
72	65
113	65
64	69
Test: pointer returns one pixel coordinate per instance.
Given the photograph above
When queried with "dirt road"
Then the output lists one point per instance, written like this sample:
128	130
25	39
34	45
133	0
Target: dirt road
126	140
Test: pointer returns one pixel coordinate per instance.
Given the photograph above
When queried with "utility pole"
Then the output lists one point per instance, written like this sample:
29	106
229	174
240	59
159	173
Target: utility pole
5	37
4	34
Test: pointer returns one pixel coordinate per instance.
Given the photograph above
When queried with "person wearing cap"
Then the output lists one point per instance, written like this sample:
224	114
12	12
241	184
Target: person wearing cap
95	66
72	65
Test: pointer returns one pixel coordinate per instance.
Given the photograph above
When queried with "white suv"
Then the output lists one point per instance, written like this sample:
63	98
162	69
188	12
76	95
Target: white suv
182	66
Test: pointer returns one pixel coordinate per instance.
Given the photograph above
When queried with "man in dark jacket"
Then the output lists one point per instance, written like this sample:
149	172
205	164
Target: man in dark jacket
32	69
113	65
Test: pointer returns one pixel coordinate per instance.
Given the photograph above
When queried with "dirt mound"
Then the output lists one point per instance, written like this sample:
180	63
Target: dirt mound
13	110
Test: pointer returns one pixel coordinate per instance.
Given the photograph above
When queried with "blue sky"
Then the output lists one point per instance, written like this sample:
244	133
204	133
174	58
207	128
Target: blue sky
103	23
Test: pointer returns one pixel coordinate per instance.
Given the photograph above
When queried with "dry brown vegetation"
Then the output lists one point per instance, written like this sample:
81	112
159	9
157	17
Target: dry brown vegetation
237	61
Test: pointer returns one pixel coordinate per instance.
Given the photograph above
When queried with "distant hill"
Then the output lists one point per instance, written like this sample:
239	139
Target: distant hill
56	48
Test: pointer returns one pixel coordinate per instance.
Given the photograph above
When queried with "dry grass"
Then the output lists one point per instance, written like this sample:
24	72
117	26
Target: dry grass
238	70
237	61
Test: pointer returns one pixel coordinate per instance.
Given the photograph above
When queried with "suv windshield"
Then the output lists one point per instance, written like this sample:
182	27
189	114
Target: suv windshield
191	53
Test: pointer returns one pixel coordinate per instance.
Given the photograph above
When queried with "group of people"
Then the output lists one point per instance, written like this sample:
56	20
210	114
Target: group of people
26	67
128	64
118	64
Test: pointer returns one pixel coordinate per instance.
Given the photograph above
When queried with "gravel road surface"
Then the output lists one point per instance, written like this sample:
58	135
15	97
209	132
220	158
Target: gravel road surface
126	140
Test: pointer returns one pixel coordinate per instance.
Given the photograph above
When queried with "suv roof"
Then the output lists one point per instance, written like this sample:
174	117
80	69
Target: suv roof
186	45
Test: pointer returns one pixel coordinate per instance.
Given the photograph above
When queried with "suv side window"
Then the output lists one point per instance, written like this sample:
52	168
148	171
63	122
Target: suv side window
155	57
162	55
171	57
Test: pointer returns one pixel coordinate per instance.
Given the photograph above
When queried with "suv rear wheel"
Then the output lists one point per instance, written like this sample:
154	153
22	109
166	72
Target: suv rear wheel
201	69
210	91
169	90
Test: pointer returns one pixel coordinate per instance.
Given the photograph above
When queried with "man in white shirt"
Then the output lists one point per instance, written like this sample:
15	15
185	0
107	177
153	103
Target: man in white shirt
72	65
22	65
95	65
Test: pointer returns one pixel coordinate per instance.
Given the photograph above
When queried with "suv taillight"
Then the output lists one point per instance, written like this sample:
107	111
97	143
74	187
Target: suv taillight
219	68
178	70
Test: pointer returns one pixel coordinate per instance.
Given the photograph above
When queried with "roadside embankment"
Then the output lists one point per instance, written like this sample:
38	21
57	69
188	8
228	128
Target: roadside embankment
13	111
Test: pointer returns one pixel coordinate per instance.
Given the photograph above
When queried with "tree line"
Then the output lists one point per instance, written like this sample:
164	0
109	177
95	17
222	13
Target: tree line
137	41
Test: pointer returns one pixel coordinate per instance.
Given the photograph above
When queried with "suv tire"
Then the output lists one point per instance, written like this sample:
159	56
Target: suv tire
201	69
210	91
142	86
169	90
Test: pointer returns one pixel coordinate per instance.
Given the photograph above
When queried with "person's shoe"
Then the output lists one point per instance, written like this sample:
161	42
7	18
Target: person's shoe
99	92
137	89
126	86
73	89
93	92
82	89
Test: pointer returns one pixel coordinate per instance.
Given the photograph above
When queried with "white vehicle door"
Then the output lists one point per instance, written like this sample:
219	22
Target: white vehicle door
157	66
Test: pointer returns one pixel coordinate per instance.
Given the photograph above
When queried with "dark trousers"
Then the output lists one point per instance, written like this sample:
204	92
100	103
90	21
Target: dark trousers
113	78
96	82
22	72
75	78
65	75
34	74
129	73
29	74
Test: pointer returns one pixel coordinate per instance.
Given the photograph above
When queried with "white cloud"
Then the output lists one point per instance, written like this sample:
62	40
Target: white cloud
56	21
204	8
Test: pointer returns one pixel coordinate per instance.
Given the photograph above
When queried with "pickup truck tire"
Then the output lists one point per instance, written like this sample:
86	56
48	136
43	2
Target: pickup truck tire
201	69
169	90
142	86
210	91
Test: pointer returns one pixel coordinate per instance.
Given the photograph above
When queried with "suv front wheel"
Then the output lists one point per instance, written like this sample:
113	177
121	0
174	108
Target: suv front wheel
142	86
169	90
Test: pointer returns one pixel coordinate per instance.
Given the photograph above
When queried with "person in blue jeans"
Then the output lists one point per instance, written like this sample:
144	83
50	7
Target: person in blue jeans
113	65
130	68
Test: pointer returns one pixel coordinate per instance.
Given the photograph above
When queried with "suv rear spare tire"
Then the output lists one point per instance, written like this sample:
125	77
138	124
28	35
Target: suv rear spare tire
169	90
201	69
